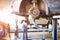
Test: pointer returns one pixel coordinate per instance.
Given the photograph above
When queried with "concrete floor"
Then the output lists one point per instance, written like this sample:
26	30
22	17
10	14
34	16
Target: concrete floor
34	35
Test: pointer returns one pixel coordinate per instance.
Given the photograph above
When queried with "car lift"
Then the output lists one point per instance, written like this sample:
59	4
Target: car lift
54	31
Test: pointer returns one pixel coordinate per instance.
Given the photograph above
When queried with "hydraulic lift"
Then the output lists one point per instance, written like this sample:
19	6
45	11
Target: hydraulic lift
54	31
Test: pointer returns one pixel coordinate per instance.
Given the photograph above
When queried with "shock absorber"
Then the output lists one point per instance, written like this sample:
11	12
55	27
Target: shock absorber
34	11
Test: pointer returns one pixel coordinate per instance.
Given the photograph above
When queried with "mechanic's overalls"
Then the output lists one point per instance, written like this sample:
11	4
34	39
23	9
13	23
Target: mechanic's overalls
24	31
1	31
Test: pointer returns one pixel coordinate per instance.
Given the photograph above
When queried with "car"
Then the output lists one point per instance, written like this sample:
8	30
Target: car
48	8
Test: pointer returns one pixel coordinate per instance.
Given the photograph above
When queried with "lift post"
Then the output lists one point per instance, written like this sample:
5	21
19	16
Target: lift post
55	30
43	36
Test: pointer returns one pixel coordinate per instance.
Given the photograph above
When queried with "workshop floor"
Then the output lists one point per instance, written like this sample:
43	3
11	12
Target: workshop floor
36	33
